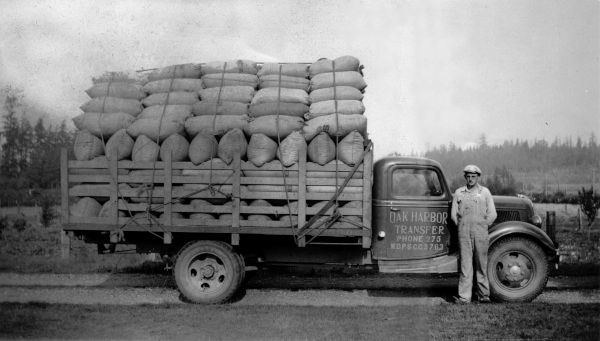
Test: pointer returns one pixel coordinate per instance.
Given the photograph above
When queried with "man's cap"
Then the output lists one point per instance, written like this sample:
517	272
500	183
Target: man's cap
472	169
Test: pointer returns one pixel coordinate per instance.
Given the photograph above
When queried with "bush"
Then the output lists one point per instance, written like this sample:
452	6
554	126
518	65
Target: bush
20	224
48	212
3	224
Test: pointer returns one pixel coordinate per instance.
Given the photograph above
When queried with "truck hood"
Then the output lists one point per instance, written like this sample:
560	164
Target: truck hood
503	201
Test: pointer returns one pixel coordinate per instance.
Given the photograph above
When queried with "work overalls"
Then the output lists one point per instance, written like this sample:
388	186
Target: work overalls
473	240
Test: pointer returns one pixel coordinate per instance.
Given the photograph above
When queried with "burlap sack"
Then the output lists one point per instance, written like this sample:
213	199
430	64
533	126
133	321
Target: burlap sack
201	216
276	127
177	112
216	80
344	78
109	207
241	94
270	95
214	125
234	140
170	85
85	207
113	104
328	123
119	145
230	66
268	170
283	108
290	82
144	149
261	149
202	148
156	128
290	148
175	97
344	107
128	90
336	92
321	149
259	217
211	164
219	108
176	71
294	70
177	146
103	124
343	63
87	146
350	148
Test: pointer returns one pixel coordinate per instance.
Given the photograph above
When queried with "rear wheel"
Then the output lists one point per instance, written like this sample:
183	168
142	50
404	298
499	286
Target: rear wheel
208	271
517	270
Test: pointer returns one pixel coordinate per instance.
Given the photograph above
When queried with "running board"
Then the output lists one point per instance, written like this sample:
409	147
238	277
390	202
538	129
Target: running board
443	264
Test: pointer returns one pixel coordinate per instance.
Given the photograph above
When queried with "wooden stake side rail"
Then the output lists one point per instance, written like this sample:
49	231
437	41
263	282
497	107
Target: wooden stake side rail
128	183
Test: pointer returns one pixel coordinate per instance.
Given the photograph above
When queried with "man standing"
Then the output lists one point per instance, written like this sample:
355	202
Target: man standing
473	211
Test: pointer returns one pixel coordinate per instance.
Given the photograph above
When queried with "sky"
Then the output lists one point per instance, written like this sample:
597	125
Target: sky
437	71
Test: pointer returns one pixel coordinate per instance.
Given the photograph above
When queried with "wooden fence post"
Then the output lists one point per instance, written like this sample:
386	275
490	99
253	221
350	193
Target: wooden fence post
551	225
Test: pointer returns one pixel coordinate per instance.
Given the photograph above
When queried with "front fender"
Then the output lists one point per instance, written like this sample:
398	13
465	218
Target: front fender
522	228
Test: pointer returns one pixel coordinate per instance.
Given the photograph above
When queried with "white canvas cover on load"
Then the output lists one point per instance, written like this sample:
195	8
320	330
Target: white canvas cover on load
103	124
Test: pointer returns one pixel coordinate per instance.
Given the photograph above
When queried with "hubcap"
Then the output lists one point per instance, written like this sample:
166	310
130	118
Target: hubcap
207	273
515	270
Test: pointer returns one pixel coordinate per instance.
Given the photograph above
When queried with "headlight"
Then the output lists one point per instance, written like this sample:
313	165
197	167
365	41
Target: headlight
536	220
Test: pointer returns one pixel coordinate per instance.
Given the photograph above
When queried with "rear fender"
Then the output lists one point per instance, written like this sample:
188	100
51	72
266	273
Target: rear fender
510	228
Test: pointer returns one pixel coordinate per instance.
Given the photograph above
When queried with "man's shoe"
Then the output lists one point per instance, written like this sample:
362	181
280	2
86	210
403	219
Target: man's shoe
458	300
485	300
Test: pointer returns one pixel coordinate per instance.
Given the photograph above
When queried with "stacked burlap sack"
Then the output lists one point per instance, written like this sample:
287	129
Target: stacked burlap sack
205	113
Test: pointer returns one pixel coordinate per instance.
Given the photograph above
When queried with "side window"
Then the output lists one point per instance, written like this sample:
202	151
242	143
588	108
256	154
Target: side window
410	182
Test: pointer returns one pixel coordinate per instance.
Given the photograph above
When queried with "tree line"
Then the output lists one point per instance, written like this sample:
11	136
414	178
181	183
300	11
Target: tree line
30	154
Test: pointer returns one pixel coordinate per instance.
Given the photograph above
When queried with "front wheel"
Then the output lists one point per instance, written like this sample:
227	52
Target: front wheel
517	270
208	272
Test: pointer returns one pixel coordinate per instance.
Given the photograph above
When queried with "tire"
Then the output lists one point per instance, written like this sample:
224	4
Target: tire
208	272
517	270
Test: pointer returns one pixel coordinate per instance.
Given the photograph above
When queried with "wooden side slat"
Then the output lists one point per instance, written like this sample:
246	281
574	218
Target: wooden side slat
235	224
367	198
64	187
168	190
302	195
114	186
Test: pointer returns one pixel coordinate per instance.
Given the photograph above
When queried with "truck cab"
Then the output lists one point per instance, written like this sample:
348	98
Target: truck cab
413	232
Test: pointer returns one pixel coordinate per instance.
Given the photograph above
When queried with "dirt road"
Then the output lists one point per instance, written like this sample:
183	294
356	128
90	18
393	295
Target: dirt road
379	290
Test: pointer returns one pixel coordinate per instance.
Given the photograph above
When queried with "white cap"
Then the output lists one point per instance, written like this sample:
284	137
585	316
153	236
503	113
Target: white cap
472	169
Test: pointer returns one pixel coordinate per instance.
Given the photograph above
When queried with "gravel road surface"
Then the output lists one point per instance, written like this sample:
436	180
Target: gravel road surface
131	289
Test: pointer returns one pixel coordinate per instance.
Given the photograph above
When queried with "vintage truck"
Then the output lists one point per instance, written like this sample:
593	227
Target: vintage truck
391	215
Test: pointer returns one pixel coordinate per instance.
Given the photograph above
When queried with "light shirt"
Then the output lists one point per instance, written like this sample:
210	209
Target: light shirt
474	205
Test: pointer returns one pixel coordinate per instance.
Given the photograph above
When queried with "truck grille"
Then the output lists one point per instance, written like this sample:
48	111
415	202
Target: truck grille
507	216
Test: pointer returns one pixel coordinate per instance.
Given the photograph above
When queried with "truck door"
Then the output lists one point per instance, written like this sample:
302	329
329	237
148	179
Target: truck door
413	214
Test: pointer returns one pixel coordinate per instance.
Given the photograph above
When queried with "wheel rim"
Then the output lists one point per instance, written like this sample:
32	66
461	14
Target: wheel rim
514	270
207	274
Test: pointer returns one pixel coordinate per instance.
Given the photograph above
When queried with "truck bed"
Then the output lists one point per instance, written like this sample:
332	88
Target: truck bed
174	185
